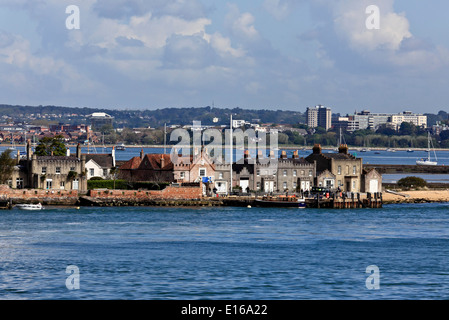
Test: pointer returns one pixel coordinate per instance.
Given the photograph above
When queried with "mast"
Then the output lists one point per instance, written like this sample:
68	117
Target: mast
231	143
165	138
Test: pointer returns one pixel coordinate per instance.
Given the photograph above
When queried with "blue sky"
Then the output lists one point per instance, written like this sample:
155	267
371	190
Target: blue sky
273	54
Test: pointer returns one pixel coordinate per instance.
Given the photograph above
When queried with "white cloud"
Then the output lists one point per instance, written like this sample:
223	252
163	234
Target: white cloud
280	9
349	20
241	25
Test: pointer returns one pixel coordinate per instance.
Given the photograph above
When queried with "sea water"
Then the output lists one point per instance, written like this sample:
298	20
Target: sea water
225	253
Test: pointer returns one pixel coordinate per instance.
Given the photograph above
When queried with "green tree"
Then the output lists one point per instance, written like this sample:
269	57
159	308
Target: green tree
48	146
412	182
7	164
407	129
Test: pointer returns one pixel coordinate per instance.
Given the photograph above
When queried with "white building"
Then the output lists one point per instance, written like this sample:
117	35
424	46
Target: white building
100	165
367	120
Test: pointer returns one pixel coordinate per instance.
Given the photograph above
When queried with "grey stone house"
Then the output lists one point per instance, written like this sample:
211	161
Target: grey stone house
50	172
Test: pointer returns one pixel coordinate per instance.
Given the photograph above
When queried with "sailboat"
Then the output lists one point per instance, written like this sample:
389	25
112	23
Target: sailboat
428	162
13	146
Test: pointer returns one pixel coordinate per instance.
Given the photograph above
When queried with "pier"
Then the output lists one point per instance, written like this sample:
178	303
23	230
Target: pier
354	201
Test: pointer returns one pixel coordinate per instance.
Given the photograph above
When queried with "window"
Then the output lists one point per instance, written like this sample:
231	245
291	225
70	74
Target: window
105	172
19	183
62	185
339	169
92	172
294	185
339	183
202	172
58	170
220	175
182	174
347	170
284	185
295	173
303	172
49	184
354	170
353	184
274	172
72	169
285	173
310	173
44	170
258	172
258	185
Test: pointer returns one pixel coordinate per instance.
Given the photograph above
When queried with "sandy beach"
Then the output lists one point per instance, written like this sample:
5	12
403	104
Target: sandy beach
417	196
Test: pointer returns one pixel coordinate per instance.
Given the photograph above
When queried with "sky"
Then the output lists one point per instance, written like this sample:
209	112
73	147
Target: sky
255	54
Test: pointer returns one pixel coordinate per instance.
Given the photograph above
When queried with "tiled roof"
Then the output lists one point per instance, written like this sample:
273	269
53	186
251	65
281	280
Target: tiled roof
103	160
149	162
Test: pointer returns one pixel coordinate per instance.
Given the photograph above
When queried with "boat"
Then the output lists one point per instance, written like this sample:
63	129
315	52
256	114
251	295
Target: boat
29	206
281	202
427	161
410	150
120	147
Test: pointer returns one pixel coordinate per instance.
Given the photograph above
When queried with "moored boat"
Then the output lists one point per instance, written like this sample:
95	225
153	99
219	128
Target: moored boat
29	206
427	161
281	202
120	147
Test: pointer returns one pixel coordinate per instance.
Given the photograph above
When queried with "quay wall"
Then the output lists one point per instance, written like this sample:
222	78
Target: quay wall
48	197
169	193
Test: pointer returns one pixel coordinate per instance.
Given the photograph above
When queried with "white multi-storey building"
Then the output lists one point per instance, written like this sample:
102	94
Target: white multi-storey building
368	120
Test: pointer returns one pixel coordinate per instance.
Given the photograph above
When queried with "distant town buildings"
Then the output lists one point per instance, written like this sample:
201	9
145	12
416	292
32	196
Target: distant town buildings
319	116
367	120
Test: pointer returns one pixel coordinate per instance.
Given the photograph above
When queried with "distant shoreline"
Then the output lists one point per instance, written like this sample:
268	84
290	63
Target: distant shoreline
280	147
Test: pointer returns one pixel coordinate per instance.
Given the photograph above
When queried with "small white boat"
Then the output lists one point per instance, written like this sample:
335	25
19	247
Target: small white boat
120	147
428	161
30	206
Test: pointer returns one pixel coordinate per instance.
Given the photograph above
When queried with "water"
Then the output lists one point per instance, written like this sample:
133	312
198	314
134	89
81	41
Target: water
371	157
430	178
226	253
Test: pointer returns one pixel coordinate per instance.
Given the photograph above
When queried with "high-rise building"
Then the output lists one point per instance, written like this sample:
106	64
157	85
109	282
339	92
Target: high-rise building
319	116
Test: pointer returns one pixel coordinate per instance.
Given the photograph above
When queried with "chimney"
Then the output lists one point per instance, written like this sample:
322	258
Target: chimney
283	155
343	149
29	151
162	161
141	154
317	149
68	152
18	156
247	156
78	151
295	155
259	154
272	154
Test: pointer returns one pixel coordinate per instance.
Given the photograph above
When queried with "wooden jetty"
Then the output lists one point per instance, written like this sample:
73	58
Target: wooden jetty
343	201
